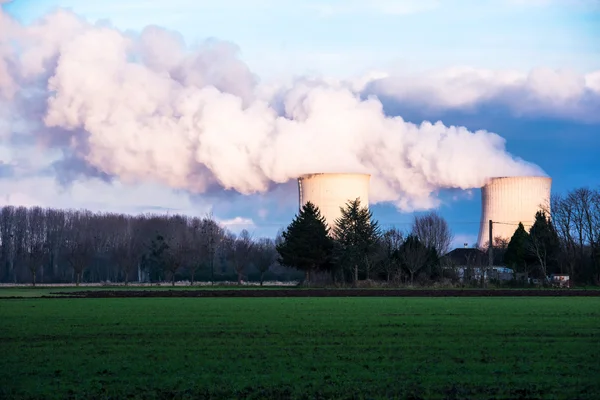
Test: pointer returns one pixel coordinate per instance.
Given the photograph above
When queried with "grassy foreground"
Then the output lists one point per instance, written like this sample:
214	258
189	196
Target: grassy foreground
300	348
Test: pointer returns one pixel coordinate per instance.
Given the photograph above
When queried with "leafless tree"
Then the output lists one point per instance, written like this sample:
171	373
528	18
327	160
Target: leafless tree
7	237
433	231
211	236
576	217
19	238
538	249
79	242
414	256
196	252
179	246
242	252
390	245
55	233
35	241
127	248
563	217
265	256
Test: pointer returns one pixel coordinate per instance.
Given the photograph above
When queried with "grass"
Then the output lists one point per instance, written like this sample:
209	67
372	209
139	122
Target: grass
300	348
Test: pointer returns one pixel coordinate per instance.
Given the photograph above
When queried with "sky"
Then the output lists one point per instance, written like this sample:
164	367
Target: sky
519	79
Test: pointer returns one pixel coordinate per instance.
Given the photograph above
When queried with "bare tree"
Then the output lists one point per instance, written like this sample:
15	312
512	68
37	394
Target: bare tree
563	217
35	242
390	245
79	242
265	256
127	248
538	249
433	231
55	233
7	236
578	223
19	240
414	256
178	250
212	237
196	251
242	250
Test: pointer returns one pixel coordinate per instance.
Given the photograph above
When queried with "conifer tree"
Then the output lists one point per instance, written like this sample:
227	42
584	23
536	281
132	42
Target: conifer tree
356	235
544	244
306	244
517	253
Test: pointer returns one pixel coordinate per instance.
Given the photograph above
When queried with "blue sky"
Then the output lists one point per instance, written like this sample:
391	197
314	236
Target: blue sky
282	39
350	36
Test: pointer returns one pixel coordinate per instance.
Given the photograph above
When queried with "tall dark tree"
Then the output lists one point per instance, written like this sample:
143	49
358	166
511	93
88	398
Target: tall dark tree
517	254
80	241
157	259
356	235
243	248
306	244
415	256
544	244
265	256
390	243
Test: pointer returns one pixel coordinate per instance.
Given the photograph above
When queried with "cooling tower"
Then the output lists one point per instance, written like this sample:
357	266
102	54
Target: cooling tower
329	192
508	201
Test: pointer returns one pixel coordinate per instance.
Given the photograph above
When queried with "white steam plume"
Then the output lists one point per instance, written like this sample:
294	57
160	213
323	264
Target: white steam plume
146	108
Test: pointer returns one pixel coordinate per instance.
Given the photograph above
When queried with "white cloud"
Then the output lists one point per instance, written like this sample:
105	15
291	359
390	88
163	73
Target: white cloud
194	120
237	224
592	81
97	196
542	91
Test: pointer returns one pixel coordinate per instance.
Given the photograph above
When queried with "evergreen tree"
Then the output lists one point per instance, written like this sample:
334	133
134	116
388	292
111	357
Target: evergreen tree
356	235
517	252
157	258
306	244
544	244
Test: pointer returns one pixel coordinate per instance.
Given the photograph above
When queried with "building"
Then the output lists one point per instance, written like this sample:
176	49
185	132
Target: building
331	192
508	201
470	263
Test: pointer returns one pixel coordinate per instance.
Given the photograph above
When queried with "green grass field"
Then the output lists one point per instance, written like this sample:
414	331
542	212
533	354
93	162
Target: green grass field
300	348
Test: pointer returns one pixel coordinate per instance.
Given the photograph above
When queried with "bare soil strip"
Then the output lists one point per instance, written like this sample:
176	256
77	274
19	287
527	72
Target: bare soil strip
327	293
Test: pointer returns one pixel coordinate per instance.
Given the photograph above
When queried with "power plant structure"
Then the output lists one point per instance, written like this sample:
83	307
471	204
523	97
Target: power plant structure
509	200
330	192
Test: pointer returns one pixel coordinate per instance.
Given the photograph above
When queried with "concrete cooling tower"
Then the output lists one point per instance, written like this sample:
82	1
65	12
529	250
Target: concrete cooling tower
508	201
329	192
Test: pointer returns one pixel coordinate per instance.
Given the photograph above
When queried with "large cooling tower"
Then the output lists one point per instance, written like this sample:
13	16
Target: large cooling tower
508	201
329	192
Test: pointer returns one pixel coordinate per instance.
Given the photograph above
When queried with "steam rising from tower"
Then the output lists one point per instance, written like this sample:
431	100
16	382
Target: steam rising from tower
145	107
508	201
330	192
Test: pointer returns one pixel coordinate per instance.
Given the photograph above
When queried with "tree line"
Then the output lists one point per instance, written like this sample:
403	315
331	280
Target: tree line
48	245
357	249
73	246
59	246
562	240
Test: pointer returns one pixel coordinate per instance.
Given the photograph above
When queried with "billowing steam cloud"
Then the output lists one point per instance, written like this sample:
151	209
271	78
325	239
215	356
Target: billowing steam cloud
145	107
